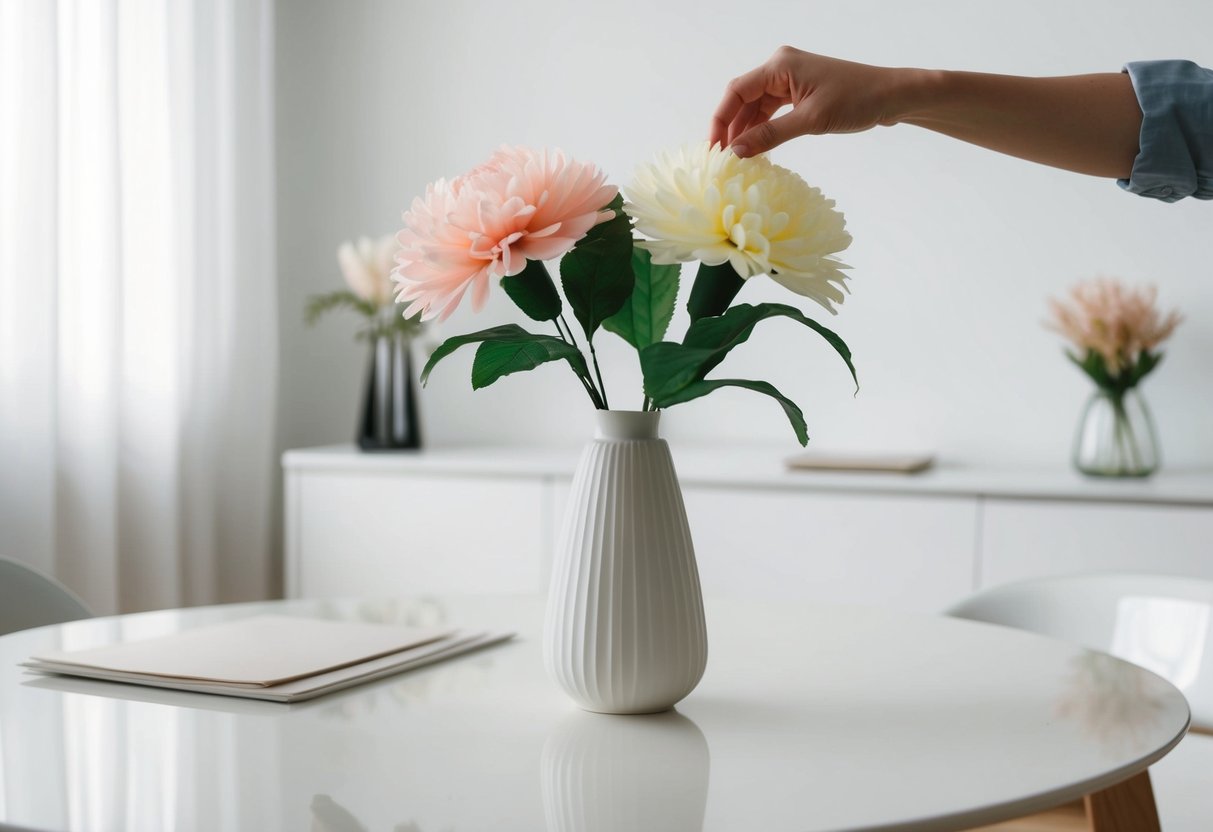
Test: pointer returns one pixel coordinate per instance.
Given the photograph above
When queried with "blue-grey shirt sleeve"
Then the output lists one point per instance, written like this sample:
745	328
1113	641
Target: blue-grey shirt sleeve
1175	158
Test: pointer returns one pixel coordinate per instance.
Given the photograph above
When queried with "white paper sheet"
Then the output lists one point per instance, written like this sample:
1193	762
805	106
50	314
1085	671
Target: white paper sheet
300	689
259	651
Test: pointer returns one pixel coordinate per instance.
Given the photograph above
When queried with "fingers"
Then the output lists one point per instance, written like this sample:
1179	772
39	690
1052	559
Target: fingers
827	95
742	90
744	118
767	135
770	104
763	112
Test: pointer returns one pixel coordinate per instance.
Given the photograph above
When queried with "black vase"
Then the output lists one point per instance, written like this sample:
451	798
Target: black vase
389	408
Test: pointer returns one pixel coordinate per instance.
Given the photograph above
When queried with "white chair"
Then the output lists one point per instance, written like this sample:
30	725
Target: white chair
30	599
1162	623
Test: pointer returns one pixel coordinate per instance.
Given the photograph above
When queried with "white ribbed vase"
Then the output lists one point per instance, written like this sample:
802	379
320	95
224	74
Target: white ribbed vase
625	632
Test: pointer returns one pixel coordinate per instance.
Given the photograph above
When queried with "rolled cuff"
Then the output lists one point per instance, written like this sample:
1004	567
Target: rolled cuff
1175	156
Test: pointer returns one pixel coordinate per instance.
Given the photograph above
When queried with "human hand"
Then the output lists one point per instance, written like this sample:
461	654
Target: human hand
827	95
1085	123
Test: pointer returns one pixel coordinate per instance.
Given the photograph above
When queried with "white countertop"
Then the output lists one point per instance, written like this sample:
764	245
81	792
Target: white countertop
763	467
809	718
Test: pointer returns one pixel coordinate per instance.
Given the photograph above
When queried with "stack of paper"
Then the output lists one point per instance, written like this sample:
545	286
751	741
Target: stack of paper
267	657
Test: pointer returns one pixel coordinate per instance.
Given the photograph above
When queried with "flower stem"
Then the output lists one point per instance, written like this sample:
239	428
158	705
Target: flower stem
1124	434
598	372
597	400
572	338
600	390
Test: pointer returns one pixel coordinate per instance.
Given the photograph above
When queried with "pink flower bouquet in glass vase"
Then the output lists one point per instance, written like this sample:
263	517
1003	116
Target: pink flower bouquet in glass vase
625	630
1116	331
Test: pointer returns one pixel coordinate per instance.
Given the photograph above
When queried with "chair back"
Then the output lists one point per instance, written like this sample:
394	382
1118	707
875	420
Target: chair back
1162	623
30	599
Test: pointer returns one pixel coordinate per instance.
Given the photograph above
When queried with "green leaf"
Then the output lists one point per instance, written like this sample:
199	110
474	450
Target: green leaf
720	334
1093	364
495	359
618	229
533	291
646	313
713	290
597	279
702	388
506	333
597	274
1146	362
669	367
318	305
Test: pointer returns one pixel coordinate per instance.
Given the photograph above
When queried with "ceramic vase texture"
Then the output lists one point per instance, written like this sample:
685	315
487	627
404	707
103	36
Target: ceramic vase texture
1116	436
389	405
625	631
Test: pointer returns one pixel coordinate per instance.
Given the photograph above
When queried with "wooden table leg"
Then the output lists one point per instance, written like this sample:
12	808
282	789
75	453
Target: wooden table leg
1125	807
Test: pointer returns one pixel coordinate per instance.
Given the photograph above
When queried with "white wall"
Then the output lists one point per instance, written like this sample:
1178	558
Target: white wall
955	252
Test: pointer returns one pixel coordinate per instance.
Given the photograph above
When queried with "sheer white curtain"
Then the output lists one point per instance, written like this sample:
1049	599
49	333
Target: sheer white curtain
137	296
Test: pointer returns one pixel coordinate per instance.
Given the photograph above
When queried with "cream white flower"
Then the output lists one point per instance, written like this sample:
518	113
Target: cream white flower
367	267
705	203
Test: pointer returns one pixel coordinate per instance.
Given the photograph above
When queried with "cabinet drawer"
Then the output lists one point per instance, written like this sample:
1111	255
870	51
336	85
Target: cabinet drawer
362	534
1025	539
907	552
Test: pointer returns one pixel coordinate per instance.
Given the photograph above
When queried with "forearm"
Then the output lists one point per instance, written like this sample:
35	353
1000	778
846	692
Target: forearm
1084	123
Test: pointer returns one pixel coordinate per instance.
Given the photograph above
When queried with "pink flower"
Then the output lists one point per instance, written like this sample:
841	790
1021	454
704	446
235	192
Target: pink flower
1119	323
435	263
520	205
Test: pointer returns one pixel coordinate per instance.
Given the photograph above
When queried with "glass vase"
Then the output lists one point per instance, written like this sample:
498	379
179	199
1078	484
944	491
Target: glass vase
389	405
1116	436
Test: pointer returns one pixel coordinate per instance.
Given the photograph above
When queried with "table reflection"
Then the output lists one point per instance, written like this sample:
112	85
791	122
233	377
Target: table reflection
604	773
403	612
330	816
1113	702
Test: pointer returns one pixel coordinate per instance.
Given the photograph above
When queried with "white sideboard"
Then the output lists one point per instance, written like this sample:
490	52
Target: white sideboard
485	520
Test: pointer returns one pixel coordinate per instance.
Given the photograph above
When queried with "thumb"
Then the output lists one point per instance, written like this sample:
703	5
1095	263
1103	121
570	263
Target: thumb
769	134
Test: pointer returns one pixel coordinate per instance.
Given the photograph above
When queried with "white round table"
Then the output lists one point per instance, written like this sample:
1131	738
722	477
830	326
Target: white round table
809	718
